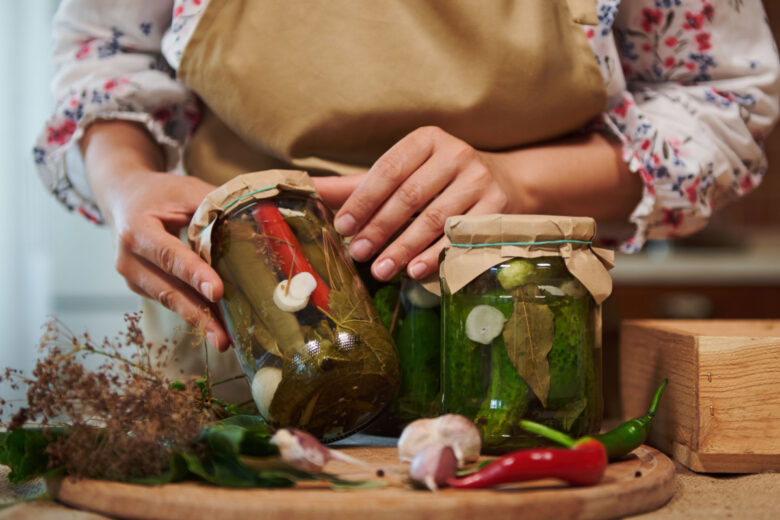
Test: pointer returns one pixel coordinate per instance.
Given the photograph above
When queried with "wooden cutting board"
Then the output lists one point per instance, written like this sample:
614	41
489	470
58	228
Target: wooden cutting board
642	482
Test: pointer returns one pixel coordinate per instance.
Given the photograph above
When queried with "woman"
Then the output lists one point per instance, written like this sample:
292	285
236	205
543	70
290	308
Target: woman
649	111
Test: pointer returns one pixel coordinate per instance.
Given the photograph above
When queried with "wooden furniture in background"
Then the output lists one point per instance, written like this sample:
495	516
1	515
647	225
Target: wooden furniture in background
721	410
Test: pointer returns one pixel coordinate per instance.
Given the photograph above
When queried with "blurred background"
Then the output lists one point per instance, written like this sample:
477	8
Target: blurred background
53	263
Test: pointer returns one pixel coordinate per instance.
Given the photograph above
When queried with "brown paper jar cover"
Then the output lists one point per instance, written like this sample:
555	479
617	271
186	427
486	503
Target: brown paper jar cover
479	242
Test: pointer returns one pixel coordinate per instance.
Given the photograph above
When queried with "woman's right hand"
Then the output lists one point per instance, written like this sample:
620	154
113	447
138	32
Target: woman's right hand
146	209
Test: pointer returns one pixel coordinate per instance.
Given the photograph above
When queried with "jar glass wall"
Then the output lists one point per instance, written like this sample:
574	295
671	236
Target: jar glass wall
412	314
302	323
521	340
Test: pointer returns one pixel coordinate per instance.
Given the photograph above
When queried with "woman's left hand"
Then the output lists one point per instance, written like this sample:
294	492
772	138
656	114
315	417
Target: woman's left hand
429	173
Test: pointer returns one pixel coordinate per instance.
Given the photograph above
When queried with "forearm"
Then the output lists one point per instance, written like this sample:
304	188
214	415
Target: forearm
113	151
578	175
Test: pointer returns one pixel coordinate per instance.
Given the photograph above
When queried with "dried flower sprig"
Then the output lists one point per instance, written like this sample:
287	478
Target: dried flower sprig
123	419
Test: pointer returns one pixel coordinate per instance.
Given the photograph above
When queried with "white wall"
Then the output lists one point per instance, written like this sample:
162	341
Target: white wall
51	262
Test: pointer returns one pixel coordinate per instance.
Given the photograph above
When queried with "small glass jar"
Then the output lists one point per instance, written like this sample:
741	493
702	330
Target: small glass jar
412	315
521	340
303	326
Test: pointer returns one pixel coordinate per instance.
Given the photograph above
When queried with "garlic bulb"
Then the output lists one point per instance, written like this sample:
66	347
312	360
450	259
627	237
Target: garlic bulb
447	430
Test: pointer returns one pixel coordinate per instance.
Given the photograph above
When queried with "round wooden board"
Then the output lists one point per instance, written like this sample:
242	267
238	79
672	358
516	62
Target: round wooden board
642	482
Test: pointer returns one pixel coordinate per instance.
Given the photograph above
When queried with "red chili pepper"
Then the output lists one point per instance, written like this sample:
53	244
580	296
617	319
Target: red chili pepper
581	465
618	442
287	249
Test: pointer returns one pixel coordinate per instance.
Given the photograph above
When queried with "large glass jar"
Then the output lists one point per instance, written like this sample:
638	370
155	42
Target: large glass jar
521	340
412	315
302	323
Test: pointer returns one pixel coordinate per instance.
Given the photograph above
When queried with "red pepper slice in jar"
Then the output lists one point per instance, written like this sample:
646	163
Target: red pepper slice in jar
582	465
282	241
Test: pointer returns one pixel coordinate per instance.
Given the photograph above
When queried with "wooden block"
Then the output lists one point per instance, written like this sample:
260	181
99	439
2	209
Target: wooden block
721	410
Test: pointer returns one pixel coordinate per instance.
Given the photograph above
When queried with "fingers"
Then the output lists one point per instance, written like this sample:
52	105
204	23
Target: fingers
456	199
426	263
472	186
147	280
415	192
335	190
151	241
384	177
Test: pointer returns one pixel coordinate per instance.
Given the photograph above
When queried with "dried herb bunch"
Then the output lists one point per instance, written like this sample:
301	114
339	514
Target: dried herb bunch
123	419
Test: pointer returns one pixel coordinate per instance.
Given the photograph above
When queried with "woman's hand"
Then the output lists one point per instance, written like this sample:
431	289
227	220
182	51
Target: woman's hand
146	209
428	175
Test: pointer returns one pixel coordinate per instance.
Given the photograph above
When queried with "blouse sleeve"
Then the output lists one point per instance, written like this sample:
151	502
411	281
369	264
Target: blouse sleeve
109	65
701	93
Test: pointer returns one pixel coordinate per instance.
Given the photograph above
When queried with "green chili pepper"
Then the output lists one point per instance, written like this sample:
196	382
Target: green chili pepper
631	434
618	442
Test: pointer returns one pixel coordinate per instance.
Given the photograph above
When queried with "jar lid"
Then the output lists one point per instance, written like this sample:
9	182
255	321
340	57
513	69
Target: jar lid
224	199
479	242
471	230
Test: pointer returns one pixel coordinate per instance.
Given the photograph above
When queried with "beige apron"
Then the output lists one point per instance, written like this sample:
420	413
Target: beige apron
328	86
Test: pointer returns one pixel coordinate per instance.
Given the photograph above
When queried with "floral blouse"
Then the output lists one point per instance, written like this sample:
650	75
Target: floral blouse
692	85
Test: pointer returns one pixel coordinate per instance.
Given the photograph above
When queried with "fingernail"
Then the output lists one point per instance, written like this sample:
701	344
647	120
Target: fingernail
361	249
207	290
211	337
384	269
417	270
345	224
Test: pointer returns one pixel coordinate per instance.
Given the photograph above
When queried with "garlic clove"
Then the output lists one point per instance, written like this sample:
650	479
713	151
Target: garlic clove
419	296
286	301
416	436
302	285
460	433
433	466
264	385
484	324
451	430
303	451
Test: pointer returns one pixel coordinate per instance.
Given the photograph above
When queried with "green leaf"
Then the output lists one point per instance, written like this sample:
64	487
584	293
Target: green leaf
177	385
225	442
669	18
528	335
637	34
24	451
177	471
570	412
246	421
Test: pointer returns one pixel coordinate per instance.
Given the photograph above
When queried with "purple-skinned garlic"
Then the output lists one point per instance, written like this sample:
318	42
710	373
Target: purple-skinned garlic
433	466
303	451
451	430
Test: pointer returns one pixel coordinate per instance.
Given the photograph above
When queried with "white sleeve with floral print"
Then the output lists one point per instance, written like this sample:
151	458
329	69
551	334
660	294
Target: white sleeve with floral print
109	66
695	93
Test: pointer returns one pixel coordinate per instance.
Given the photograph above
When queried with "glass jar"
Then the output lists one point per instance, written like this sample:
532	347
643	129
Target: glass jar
412	315
303	326
521	340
